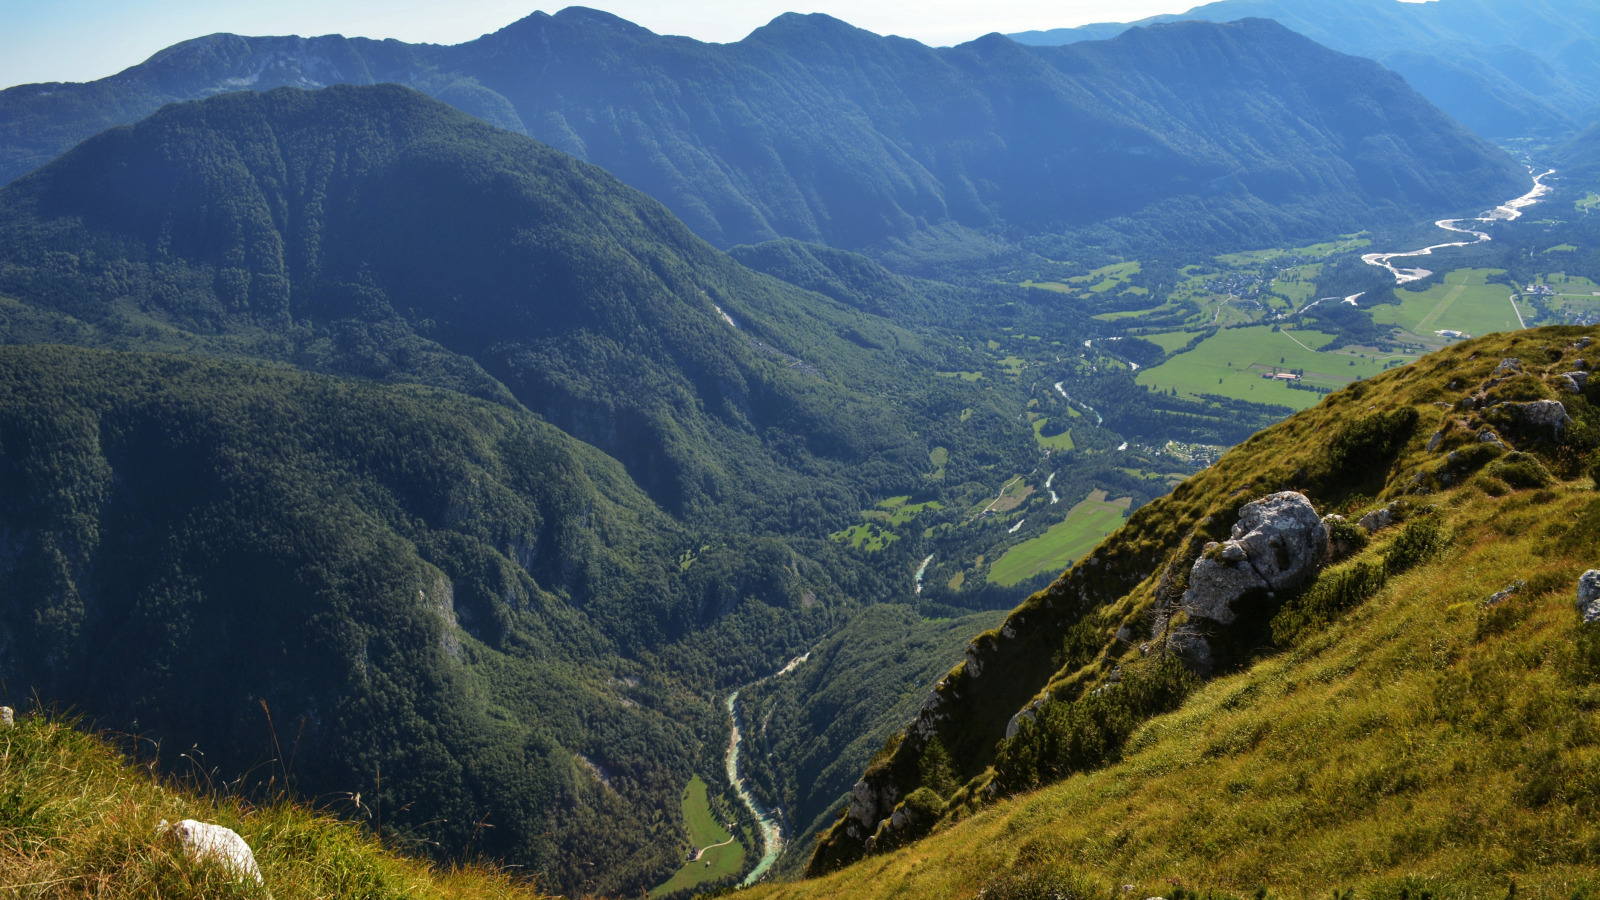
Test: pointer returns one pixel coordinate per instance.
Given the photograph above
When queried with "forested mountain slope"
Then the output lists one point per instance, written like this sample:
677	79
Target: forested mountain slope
812	129
366	481
373	231
426	593
1505	68
1420	688
1581	155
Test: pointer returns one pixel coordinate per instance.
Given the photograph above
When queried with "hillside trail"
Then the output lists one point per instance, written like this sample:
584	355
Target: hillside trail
702	851
1506	212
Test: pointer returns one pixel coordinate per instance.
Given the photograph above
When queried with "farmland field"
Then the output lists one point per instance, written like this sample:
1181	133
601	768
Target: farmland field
1564	284
1099	281
1062	441
1231	364
1465	302
1084	527
723	858
1328	248
1169	340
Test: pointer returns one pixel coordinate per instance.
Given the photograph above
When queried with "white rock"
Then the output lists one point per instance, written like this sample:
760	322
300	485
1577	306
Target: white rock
214	844
7	717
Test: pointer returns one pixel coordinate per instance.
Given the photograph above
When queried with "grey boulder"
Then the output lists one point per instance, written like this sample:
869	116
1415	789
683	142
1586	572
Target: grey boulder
1540	415
1277	543
1589	596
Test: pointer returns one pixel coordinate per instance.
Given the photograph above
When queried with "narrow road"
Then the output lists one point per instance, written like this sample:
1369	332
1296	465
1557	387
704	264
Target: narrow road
702	851
1291	337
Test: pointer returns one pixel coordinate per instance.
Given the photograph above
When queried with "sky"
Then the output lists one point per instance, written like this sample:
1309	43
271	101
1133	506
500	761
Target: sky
82	40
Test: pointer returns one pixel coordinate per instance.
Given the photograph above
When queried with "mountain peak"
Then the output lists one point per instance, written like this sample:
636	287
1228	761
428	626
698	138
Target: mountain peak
791	27
598	18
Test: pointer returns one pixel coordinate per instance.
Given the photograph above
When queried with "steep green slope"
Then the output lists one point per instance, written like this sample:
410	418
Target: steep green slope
80	819
1427	744
1505	68
1065	684
375	232
815	130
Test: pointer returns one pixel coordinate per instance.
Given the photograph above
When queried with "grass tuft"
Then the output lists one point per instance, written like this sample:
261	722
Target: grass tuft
77	819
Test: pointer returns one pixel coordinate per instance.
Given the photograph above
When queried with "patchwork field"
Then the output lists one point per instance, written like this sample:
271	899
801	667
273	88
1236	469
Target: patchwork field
720	855
1099	281
1231	363
1327	248
1085	526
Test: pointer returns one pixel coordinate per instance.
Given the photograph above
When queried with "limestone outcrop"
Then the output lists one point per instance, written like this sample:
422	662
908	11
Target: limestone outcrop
1545	416
1278	542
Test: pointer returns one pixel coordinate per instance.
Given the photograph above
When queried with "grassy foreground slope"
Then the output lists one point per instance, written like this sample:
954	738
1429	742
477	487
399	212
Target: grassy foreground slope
1430	737
77	819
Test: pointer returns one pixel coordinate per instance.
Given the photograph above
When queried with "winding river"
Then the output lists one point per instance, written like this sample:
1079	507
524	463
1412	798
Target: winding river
771	828
1505	212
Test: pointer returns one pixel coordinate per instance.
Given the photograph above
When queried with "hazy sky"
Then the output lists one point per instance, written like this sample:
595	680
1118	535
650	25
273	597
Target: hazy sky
81	40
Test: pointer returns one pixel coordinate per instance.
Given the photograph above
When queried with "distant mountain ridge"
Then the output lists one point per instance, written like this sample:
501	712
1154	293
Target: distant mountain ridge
1505	68
379	233
812	129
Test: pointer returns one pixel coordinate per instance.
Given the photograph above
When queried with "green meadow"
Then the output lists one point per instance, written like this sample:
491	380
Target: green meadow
899	510
1327	248
1084	527
1298	284
720	855
1099	281
1570	285
1169	340
1465	302
1231	364
1062	441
